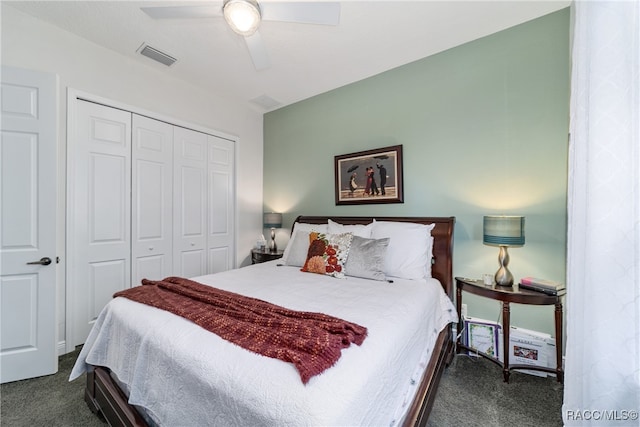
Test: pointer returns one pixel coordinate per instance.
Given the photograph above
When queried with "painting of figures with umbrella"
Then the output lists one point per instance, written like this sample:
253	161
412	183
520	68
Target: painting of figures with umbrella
372	176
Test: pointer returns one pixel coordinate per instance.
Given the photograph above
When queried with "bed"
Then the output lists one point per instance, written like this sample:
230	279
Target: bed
145	366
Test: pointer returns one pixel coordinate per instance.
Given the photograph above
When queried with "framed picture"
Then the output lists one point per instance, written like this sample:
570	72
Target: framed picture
372	176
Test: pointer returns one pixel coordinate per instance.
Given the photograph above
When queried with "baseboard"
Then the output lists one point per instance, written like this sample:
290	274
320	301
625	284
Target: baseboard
62	348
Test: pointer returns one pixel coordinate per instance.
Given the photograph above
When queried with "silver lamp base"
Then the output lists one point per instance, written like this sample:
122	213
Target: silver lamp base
272	245
503	276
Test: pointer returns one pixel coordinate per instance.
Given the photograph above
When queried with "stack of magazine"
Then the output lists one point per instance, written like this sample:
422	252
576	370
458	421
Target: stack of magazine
526	347
548	287
483	336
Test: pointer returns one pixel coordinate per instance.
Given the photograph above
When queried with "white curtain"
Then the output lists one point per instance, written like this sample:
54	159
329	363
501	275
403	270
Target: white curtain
602	381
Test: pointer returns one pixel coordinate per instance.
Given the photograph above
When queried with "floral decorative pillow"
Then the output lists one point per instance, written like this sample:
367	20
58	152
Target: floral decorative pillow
327	253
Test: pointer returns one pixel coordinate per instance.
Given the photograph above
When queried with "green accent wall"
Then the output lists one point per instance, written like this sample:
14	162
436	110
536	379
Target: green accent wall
484	129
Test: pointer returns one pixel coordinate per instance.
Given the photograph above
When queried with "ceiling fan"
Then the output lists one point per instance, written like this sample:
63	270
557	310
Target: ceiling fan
244	17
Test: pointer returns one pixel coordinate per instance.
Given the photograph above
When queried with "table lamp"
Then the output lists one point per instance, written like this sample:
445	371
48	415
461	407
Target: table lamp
272	220
503	231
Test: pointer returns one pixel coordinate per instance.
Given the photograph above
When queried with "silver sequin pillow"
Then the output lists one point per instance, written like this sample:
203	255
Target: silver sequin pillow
366	258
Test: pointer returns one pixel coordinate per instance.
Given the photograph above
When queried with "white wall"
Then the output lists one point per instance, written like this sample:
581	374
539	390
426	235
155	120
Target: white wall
82	65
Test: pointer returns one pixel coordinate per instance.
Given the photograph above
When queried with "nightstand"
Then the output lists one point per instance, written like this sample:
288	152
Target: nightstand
510	295
263	255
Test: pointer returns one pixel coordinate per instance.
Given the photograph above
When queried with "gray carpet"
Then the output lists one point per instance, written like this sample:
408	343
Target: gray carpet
48	401
471	393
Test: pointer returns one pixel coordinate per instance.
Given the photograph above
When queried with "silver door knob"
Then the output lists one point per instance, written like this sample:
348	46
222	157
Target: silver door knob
43	261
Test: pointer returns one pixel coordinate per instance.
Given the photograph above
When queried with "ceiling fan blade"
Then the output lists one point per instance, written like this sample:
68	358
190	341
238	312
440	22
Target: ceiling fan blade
302	12
182	12
258	51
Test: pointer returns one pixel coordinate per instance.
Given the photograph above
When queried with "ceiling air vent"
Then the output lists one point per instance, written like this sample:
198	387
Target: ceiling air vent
156	55
266	102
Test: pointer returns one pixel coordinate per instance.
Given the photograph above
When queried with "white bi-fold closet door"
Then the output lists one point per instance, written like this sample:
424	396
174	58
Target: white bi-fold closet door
148	199
203	206
151	199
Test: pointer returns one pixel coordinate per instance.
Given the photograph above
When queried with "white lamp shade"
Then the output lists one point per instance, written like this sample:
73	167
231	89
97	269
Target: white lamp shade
503	230
243	16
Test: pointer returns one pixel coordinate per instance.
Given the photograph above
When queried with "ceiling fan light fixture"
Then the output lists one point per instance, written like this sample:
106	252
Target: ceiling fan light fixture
243	16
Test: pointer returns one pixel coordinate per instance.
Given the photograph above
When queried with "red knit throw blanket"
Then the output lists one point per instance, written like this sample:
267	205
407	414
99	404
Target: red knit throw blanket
311	341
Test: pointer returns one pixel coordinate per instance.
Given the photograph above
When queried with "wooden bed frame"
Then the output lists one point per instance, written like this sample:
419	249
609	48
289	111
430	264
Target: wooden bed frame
103	395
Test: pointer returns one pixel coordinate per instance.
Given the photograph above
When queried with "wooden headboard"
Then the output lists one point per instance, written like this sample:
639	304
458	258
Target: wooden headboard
442	263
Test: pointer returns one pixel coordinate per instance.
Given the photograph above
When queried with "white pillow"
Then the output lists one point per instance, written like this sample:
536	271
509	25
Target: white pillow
298	247
359	230
302	226
410	248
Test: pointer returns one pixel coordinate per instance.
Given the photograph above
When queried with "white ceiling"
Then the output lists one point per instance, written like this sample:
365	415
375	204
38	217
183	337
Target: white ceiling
306	60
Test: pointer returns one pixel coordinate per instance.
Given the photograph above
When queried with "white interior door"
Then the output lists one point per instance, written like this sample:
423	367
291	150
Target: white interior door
152	203
221	213
99	226
190	202
28	258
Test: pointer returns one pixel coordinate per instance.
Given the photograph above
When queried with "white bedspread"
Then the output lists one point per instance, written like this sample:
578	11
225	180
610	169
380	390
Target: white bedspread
185	376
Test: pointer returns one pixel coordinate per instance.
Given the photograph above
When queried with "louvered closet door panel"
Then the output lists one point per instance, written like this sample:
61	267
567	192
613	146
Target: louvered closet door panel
100	171
190	202
220	241
152	203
